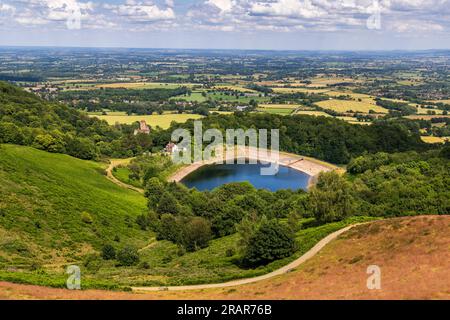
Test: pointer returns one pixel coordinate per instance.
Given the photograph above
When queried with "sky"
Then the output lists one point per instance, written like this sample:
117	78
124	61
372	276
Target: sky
228	24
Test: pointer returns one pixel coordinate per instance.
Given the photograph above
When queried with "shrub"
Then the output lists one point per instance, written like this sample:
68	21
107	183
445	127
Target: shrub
86	217
272	241
196	234
108	252
128	256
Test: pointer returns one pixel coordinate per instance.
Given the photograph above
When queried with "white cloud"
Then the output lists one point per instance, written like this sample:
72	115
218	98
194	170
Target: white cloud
415	26
142	11
397	16
288	8
7	9
223	5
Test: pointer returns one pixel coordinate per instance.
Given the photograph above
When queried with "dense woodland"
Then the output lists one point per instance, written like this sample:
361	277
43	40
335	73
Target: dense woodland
325	138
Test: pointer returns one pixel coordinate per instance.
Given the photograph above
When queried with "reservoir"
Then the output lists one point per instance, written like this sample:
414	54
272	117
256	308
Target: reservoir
212	176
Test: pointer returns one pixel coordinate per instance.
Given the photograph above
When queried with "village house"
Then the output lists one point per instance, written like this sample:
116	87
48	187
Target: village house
143	128
171	148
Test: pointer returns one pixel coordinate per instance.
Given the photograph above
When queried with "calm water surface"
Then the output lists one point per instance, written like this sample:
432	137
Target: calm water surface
212	176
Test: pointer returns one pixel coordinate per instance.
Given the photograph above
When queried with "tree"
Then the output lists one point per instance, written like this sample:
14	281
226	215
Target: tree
196	234
48	143
331	199
108	252
154	189
10	133
272	241
168	204
169	228
128	256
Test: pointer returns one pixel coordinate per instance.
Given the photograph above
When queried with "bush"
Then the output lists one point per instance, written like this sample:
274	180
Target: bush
86	218
108	252
196	234
128	256
272	241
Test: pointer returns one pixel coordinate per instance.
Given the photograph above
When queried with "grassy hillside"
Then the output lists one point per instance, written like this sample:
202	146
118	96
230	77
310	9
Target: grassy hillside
57	210
412	253
42	200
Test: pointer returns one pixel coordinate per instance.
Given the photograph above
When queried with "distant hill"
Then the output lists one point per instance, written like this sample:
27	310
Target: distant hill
56	209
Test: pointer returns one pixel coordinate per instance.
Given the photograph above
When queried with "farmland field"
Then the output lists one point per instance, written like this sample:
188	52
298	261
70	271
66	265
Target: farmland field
347	105
145	85
430	139
163	120
313	113
279	106
281	111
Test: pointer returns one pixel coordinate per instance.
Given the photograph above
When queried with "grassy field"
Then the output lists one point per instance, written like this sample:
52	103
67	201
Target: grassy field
279	106
280	111
163	120
234	88
347	105
294	90
44	201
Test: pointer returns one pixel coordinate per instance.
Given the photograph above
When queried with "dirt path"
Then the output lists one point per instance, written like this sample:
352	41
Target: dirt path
286	269
110	176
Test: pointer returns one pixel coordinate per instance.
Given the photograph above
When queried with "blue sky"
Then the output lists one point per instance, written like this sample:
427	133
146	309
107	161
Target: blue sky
228	24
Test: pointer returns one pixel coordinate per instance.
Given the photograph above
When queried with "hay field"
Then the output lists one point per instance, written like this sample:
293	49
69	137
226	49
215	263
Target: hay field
429	139
345	105
162	121
312	113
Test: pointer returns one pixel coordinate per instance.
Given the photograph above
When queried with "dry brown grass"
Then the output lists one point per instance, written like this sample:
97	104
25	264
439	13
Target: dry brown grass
412	252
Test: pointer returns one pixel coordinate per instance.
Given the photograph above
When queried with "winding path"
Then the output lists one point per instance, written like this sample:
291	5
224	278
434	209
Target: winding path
288	268
110	175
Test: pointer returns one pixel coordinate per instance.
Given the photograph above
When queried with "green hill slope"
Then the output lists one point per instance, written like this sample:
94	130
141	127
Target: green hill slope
46	202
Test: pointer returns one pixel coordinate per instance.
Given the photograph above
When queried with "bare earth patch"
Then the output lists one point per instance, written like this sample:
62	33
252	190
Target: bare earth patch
413	254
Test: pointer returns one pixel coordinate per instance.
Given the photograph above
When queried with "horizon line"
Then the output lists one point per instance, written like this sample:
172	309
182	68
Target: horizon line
223	49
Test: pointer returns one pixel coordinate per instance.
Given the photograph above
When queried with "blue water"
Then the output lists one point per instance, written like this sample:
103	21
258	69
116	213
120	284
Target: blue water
213	176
